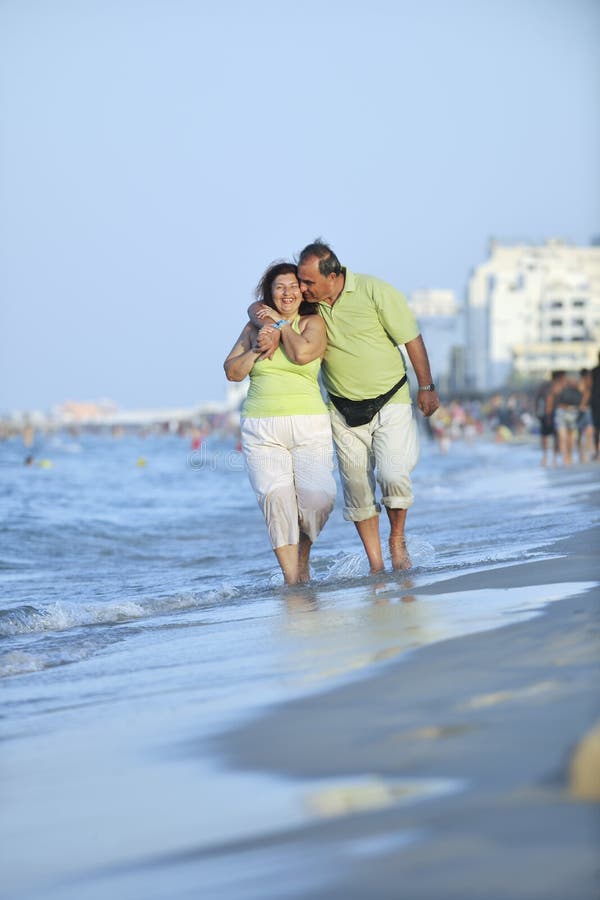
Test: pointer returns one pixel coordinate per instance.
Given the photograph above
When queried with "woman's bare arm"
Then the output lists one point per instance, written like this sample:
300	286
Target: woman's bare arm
270	338
243	355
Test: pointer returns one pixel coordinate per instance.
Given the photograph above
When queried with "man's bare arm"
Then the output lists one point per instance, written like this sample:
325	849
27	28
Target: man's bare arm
427	401
269	340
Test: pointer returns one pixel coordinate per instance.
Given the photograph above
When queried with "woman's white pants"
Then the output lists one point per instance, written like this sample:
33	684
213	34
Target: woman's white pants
290	465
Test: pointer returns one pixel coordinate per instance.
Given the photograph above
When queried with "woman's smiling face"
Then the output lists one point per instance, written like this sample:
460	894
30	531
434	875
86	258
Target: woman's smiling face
286	295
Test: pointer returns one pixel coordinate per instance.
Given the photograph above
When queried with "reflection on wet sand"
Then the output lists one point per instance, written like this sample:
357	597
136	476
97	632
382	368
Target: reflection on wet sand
331	632
386	593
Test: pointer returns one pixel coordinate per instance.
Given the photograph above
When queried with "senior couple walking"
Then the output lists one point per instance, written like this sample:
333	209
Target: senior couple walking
318	315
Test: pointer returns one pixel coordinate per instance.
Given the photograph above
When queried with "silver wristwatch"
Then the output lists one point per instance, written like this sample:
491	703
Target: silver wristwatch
427	387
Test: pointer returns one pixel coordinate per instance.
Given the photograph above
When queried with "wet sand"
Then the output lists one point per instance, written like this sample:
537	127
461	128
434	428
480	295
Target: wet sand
470	769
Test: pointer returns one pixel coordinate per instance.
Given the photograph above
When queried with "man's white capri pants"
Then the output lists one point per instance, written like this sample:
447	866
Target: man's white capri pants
386	449
290	464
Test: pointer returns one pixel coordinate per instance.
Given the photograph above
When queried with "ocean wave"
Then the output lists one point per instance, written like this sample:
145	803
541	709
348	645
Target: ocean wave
21	662
10	563
61	616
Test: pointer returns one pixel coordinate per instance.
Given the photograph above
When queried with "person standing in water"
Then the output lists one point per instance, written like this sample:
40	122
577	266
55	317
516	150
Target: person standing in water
374	428
285	428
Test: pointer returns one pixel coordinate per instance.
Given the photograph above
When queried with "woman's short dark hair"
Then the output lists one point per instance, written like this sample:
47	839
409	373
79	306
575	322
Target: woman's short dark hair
264	289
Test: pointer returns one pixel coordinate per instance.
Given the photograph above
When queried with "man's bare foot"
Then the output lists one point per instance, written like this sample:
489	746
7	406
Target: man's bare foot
399	553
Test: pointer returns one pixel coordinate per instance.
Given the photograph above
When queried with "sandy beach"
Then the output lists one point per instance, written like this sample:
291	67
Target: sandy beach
470	769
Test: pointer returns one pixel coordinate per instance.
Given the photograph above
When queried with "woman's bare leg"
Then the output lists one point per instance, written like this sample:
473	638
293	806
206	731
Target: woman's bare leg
304	548
287	557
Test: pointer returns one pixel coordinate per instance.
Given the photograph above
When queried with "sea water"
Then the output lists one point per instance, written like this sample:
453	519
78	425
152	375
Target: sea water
142	613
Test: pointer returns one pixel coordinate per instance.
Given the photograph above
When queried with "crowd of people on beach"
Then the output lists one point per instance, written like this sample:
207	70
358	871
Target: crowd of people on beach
568	410
564	411
505	418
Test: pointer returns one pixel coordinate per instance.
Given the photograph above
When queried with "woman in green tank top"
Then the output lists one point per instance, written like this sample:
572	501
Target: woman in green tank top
286	430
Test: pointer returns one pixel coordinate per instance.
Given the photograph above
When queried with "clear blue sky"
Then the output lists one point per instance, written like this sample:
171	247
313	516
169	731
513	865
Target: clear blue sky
156	156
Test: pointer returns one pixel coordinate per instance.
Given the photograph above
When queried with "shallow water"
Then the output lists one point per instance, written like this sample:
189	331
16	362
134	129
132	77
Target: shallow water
142	612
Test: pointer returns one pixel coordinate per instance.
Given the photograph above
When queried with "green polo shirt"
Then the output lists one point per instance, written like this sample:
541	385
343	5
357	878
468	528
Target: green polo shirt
364	326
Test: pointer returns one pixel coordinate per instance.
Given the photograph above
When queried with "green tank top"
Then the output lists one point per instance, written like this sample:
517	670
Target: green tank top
280	387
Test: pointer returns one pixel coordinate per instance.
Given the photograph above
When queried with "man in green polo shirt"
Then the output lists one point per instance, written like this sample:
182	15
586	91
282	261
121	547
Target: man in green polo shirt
366	320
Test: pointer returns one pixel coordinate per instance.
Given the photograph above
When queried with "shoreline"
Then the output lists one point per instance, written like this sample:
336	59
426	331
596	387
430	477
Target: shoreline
508	714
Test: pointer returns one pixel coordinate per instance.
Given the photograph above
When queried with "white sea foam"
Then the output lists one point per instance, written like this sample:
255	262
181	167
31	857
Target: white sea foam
347	565
21	662
17	662
62	615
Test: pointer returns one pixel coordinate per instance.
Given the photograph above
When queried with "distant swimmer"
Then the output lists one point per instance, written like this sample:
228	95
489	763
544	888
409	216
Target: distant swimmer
42	464
285	428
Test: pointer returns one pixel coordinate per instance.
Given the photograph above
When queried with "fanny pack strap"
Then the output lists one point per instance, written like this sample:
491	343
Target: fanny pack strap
370	406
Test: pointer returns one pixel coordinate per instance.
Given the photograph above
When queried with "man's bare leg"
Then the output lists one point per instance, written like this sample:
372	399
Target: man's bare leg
287	557
304	548
368	531
398	551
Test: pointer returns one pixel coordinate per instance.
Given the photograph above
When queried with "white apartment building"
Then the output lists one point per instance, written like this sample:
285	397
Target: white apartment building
531	309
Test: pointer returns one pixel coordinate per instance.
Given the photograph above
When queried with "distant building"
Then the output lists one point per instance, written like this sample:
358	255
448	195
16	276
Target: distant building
434	302
531	309
534	362
442	325
456	381
77	411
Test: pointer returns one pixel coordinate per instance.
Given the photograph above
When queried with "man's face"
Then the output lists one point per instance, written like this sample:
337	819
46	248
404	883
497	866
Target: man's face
314	286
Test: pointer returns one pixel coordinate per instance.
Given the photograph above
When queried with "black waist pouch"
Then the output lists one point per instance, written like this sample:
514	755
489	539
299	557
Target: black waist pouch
359	412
